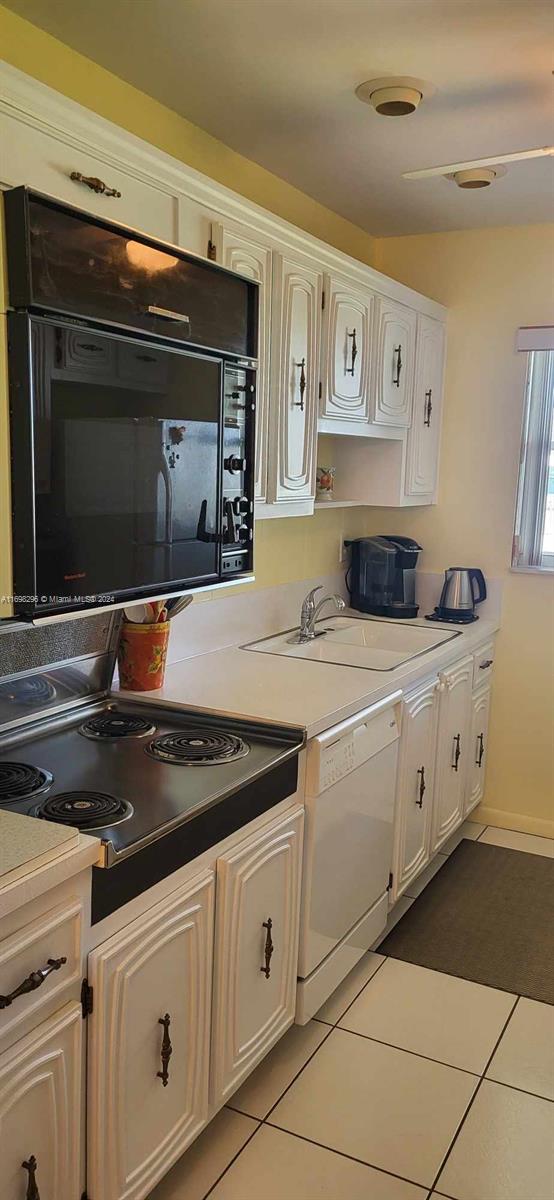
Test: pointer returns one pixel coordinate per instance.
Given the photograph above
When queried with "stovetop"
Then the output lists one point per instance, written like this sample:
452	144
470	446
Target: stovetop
129	775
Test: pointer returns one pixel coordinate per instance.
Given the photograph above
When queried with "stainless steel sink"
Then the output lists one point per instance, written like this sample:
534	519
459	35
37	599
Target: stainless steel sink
369	644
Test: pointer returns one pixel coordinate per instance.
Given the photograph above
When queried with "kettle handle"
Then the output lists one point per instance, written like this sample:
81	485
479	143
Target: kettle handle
476	576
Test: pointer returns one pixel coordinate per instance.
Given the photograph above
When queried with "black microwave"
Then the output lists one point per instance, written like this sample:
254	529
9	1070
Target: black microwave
132	408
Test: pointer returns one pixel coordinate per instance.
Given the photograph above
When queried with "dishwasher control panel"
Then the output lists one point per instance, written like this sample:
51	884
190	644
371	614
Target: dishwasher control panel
339	751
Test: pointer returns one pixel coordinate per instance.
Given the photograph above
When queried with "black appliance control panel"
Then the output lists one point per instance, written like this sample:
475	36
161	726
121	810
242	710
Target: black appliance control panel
239	405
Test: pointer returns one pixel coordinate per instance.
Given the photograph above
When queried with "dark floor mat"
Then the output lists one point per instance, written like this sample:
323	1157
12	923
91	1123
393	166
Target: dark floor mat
488	916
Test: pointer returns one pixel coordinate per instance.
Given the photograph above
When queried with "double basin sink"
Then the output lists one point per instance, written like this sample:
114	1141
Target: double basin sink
369	644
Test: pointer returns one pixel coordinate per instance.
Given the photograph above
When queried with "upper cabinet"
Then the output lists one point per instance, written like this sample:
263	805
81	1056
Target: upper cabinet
347	350
295	344
394	351
423	438
239	249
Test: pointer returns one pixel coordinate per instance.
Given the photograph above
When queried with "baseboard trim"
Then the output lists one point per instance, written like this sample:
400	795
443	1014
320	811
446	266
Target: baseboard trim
518	821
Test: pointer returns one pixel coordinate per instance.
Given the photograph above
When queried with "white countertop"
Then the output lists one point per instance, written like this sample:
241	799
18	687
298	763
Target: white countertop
313	695
35	855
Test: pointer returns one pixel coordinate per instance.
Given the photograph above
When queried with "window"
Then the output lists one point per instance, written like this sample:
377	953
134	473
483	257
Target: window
534	524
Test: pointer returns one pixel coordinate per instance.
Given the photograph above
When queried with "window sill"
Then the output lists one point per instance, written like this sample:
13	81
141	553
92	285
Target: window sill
531	570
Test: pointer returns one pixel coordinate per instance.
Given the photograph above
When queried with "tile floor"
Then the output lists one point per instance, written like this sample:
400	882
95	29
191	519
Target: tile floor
450	1095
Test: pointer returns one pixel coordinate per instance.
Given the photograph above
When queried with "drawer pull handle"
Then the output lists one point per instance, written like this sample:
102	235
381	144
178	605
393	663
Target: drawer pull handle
32	1192
33	981
166	1050
428	408
154	310
422	786
354	355
398	353
480	749
95	185
268	948
487	662
457	752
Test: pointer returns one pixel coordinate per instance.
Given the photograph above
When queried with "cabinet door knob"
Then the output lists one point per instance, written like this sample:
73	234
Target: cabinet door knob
487	662
166	1050
268	948
32	1192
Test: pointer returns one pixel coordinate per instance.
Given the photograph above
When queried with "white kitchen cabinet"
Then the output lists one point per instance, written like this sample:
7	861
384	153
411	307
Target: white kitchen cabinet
242	250
415	787
347	350
424	435
140	1119
256	948
453	749
475	784
295	345
394	372
41	1111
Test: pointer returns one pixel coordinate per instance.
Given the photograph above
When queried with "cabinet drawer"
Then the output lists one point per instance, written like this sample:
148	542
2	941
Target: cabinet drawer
483	662
40	946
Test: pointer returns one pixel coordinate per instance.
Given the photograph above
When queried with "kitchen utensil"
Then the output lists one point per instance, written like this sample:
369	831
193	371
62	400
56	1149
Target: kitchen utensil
176	606
137	614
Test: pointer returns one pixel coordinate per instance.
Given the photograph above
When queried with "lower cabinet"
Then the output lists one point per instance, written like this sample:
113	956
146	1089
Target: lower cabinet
149	1043
475	784
41	1111
415	787
256	950
453	749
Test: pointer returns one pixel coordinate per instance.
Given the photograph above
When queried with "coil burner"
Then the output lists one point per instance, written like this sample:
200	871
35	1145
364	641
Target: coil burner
196	747
19	781
84	810
110	725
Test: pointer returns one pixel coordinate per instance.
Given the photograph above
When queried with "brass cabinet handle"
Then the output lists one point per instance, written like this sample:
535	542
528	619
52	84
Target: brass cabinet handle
398	353
33	981
166	1050
268	948
428	408
422	786
480	749
350	369
301	385
457	752
32	1192
95	185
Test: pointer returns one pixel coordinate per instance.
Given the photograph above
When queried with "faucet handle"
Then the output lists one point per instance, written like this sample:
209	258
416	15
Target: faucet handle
308	603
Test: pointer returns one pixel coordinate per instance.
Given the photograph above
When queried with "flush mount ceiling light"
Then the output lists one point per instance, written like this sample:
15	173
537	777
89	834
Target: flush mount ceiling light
477	177
480	172
395	95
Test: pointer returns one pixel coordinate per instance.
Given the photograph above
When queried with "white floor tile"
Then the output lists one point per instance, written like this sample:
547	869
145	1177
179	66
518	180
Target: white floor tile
393	1110
469	829
268	1082
418	886
525	1056
277	1166
204	1161
347	991
440	1016
504	1151
400	909
513	840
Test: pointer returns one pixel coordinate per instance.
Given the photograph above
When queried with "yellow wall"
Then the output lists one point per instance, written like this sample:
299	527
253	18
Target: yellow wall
492	280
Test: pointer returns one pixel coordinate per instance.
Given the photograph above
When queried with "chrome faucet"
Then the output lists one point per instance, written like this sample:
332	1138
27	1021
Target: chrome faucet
310	612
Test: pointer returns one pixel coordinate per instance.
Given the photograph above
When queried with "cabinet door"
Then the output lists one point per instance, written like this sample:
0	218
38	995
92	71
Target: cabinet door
347	333
415	786
423	438
41	1110
140	1119
478	748
296	323
453	749
240	250
256	950
395	341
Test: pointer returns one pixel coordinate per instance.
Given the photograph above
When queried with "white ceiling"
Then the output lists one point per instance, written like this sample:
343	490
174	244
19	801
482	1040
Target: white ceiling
275	80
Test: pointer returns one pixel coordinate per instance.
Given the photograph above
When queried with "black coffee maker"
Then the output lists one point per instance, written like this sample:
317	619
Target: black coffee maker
381	575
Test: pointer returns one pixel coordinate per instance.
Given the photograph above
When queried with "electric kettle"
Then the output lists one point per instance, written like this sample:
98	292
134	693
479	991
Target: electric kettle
463	588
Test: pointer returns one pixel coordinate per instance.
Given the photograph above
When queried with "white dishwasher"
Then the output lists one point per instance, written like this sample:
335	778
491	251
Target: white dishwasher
348	838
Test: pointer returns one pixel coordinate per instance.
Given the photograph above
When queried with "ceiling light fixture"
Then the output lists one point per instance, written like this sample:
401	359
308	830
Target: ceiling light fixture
395	96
